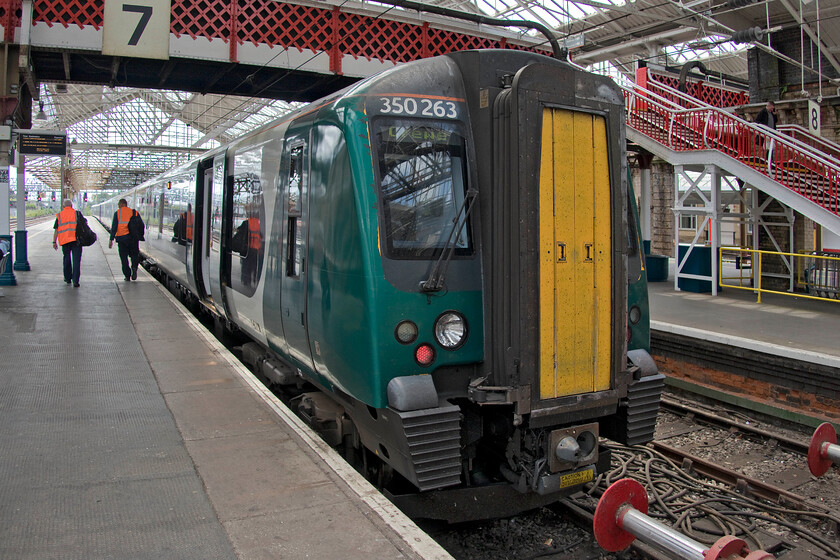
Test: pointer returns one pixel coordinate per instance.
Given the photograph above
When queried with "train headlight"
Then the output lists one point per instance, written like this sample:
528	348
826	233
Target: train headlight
451	330
635	314
406	332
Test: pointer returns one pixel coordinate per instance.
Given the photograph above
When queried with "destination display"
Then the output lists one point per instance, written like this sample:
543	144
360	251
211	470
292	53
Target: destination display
32	144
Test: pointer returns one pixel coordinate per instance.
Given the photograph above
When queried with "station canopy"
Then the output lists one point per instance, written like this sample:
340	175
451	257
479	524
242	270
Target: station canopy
121	136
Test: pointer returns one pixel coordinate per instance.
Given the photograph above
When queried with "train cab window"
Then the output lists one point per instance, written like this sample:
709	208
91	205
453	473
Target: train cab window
294	232
422	173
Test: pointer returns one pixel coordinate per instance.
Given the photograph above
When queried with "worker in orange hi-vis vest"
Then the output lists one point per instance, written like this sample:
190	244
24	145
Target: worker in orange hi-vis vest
65	235
189	217
128	245
251	262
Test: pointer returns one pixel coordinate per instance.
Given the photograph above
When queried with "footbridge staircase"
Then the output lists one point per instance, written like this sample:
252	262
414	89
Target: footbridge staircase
799	170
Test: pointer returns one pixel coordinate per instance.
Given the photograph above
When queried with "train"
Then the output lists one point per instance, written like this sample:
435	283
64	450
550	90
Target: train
439	266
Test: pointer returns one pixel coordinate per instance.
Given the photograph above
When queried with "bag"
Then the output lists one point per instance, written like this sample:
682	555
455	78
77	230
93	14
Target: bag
178	230
136	227
239	241
84	234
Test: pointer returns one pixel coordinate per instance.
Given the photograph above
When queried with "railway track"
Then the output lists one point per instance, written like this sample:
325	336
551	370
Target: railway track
711	471
30	221
705	501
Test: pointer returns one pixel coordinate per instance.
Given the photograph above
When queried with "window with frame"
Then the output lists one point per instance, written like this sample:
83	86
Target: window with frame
247	233
294	230
422	174
688	221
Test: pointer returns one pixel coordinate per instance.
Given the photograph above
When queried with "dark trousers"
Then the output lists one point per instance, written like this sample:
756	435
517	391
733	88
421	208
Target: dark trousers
72	261
128	247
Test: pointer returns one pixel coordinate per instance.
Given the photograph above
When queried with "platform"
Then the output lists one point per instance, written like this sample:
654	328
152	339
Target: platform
780	324
130	432
779	357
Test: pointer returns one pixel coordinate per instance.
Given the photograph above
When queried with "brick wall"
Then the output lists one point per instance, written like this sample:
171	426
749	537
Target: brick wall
662	201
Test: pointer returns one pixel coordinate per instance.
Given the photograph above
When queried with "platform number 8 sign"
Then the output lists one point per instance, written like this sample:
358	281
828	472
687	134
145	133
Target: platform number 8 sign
136	28
814	125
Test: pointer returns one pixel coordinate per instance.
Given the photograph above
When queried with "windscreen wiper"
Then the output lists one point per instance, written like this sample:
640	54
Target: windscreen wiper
434	283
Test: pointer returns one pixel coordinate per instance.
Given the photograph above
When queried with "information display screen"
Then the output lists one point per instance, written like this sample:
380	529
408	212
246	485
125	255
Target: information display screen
43	144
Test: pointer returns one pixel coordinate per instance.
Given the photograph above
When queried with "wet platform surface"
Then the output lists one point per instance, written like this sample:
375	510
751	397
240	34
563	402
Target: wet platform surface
783	324
129	432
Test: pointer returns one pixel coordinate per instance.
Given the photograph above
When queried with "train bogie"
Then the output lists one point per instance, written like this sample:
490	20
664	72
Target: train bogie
445	250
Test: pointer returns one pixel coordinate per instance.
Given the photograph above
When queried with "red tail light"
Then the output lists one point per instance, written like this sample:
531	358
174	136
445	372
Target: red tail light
424	354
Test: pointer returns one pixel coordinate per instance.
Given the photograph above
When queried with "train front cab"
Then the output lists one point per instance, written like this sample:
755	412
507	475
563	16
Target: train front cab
556	277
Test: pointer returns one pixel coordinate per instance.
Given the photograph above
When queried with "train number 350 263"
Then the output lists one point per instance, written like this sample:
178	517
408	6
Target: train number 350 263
414	106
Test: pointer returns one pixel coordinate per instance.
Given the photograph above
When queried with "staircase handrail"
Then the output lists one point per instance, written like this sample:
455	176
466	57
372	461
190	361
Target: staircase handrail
703	126
656	76
697	103
780	139
649	93
823	144
693	102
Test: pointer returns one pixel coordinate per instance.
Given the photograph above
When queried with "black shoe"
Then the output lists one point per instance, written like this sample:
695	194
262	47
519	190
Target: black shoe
127	279
75	284
67	281
134	274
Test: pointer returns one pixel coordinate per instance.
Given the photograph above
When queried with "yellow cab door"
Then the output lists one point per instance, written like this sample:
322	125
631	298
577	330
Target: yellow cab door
575	287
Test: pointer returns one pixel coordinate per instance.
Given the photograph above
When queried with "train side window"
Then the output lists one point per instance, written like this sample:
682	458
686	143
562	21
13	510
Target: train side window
246	236
294	236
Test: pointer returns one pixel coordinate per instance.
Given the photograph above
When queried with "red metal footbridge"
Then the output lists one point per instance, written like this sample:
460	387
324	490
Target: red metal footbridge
295	51
797	169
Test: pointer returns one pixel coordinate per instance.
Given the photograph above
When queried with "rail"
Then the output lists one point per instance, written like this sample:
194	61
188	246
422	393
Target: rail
717	95
803	135
30	221
683	496
682	123
817	273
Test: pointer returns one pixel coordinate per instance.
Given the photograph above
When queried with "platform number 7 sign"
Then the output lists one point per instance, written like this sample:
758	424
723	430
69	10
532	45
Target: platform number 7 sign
136	28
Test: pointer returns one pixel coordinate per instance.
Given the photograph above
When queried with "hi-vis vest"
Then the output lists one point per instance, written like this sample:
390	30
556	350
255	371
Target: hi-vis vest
189	228
66	226
123	216
254	233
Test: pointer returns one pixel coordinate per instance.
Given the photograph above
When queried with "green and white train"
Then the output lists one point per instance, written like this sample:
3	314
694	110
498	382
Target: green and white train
441	263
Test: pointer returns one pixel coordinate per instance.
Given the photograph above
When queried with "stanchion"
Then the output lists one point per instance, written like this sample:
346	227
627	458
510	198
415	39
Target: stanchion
621	517
823	451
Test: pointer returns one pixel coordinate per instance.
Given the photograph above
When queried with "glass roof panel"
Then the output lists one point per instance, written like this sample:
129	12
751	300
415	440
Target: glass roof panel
615	34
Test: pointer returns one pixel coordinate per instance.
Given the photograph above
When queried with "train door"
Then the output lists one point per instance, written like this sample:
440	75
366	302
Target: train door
295	183
208	223
576	275
204	232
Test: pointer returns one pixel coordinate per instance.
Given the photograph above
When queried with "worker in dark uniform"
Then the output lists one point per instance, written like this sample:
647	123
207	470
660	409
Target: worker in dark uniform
65	235
128	245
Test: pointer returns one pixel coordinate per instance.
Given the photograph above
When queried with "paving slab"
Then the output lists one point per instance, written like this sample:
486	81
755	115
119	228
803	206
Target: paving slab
140	436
